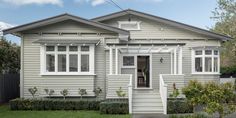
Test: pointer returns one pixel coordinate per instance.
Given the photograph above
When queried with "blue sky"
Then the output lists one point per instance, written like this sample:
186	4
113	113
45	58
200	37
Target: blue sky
192	12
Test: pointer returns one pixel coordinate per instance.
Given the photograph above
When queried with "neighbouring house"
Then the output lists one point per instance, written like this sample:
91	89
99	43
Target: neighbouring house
142	53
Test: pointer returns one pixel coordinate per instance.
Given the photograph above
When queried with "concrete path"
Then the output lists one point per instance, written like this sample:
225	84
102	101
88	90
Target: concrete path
149	116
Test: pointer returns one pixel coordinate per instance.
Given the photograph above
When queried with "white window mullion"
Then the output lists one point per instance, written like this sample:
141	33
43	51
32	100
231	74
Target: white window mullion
212	61
56	60
67	59
79	59
203	60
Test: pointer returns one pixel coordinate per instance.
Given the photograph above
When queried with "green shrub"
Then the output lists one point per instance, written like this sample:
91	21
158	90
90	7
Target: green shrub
175	106
228	70
40	104
189	116
114	108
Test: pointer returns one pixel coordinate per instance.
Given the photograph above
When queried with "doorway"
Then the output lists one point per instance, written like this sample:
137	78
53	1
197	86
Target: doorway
143	71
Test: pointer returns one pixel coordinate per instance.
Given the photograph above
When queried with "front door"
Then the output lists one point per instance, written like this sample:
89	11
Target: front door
143	71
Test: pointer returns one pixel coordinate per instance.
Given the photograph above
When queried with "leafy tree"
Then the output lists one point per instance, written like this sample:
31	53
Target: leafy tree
225	15
49	92
97	91
9	56
120	92
175	93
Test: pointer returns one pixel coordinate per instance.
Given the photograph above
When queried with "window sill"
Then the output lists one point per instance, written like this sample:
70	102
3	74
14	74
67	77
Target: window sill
86	74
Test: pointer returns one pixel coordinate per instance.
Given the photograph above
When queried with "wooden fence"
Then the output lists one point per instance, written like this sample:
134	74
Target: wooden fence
9	87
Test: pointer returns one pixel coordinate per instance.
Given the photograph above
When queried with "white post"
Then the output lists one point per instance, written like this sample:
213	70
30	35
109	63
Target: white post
171	62
180	60
175	61
130	92
111	55
117	61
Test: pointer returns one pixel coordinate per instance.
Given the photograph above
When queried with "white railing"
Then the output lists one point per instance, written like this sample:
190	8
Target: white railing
130	93
163	93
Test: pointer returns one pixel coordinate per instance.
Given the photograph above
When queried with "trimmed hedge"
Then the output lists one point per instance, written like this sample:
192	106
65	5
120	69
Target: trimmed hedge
175	106
114	107
40	104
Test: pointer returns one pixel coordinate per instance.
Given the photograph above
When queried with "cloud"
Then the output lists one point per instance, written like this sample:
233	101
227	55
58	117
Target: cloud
3	26
100	2
39	2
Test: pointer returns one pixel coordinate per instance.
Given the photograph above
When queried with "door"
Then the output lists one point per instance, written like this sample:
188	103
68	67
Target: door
143	71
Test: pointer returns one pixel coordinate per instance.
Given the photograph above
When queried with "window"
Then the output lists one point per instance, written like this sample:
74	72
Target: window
205	61
129	25
128	60
65	59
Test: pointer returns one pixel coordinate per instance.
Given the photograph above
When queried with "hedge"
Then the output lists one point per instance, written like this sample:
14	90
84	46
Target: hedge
41	104
114	107
175	106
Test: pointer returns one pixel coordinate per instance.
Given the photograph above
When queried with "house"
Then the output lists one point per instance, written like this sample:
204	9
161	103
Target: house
142	53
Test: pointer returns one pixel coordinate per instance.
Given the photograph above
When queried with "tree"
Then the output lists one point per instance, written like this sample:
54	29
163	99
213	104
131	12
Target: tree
33	91
82	92
97	91
225	15
9	56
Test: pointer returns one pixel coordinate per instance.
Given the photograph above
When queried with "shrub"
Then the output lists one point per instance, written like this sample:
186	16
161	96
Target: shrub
45	104
189	116
114	108
33	91
49	92
82	92
228	71
120	93
97	92
175	106
64	93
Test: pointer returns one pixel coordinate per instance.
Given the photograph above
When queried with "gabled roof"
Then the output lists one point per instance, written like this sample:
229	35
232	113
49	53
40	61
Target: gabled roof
60	18
162	20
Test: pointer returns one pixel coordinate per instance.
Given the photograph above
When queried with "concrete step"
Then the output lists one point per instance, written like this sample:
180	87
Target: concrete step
138	110
147	100
148	104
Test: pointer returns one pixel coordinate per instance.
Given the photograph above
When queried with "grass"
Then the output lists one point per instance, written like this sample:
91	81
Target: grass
5	112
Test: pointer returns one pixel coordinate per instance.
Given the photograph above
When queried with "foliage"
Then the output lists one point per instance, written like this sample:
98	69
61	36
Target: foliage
49	92
189	116
97	91
33	91
82	92
215	97
114	108
175	106
64	93
46	104
9	56
225	15
175	93
120	92
193	92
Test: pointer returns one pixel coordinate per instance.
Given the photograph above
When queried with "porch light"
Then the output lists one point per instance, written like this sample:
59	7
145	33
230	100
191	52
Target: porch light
161	60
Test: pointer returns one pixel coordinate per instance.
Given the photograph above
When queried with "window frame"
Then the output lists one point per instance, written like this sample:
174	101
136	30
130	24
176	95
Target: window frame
91	53
128	55
204	56
130	22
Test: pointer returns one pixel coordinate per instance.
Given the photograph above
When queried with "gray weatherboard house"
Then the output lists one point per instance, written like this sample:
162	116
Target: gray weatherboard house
142	53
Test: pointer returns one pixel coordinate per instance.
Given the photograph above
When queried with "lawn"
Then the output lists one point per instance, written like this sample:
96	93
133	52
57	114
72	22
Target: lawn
5	112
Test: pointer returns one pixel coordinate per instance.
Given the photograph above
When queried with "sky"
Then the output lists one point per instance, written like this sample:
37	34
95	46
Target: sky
17	12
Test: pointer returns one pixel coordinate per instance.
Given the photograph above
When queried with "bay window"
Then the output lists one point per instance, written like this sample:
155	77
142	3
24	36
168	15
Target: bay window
205	61
67	59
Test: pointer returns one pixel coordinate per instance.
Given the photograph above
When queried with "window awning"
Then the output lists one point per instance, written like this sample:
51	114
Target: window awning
53	41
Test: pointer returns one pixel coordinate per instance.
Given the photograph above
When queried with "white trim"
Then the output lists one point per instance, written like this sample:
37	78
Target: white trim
129	22
175	61
22	68
180	60
171	62
111	55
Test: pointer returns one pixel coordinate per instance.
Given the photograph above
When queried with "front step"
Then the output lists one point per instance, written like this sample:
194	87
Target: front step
147	101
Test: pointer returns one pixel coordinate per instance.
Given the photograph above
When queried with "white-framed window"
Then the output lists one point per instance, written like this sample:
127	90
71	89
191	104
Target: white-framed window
67	59
205	61
129	25
128	61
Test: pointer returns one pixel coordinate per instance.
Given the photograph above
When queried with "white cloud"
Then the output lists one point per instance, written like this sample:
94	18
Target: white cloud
100	2
39	2
3	26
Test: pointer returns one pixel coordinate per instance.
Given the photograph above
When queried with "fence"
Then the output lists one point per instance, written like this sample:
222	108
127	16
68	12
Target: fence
9	87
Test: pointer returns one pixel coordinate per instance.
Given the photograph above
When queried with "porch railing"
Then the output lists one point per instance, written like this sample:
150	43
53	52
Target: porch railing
163	93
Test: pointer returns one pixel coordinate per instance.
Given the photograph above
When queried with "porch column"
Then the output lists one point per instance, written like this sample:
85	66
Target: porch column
180	60
117	61
175	61
171	62
111	55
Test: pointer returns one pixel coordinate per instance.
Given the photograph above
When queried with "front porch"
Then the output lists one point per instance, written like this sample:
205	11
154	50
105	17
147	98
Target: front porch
147	75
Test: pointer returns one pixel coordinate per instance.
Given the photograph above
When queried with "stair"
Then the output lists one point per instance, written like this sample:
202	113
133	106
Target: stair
146	101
